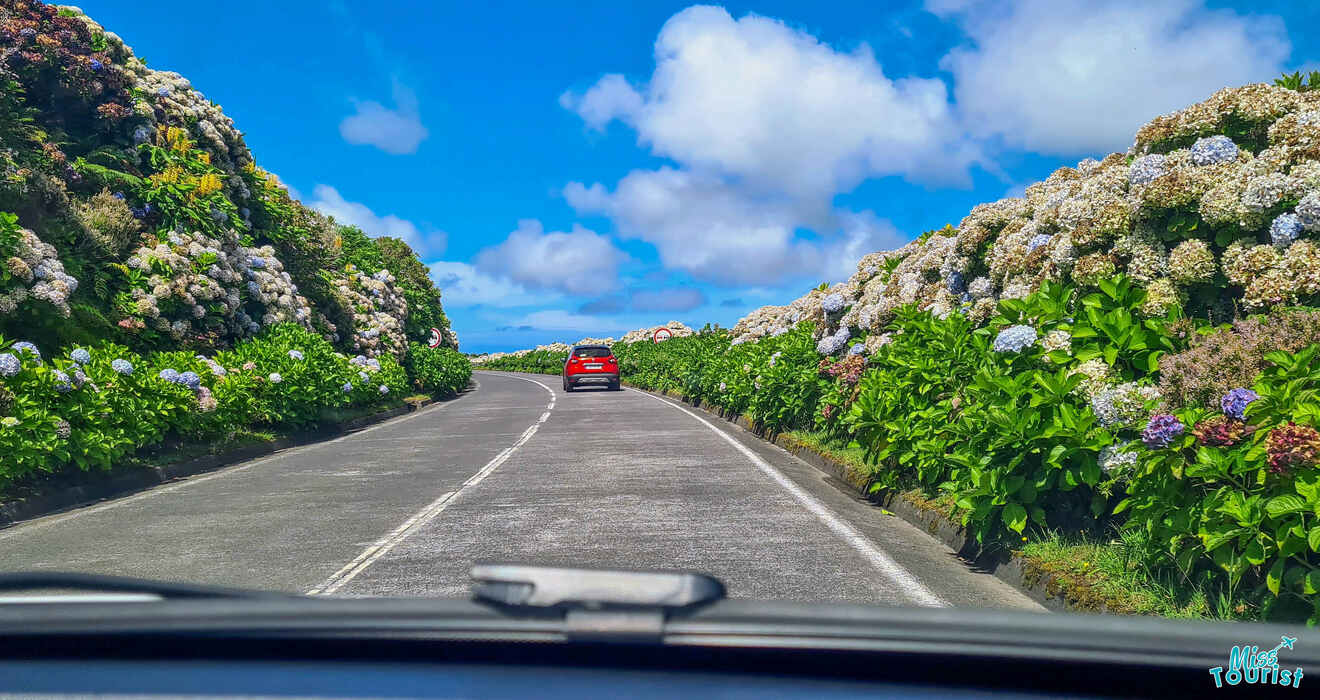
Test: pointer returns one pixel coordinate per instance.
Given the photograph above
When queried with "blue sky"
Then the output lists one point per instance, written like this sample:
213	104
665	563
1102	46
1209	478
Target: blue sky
588	168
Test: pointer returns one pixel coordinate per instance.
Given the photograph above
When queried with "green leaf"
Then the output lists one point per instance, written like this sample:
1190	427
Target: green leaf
1274	578
1313	539
1015	517
1285	504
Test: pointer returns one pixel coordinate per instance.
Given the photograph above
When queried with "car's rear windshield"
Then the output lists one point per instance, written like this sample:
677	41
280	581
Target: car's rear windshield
592	352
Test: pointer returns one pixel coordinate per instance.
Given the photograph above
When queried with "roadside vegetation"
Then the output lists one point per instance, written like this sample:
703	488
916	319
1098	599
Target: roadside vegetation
1115	375
156	284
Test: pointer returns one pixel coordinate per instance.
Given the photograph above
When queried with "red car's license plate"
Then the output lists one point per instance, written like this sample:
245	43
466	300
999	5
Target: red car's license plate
595	366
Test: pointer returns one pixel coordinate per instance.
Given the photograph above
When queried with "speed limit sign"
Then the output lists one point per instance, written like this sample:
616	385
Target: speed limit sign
435	338
662	334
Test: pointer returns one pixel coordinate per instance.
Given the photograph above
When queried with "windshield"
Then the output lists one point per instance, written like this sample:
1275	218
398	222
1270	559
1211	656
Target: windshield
924	305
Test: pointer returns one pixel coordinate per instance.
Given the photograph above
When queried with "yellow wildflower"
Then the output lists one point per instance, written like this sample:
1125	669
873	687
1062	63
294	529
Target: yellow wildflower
169	176
204	157
208	184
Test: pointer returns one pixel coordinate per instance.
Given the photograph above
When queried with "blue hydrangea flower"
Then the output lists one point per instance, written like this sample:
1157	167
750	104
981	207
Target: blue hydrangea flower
384	389
96	65
348	386
190	380
831	344
122	366
62	382
363	376
257	263
81	356
1308	211
24	345
295	354
9	365
1038	240
955	282
1147	168
1161	431
163	92
79	378
28	32
1234	403
857	349
169	375
832	303
1214	149
1015	339
1285	229
141	135
118	195
275	377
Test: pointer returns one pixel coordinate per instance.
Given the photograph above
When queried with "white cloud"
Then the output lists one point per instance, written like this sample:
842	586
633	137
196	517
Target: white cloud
1069	77
767	125
679	299
580	261
756	99
719	233
462	285
396	131
328	201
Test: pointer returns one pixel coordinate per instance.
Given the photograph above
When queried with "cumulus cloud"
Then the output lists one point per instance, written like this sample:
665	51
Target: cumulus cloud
719	233
560	320
329	201
767	125
462	285
774	106
1070	77
396	131
580	261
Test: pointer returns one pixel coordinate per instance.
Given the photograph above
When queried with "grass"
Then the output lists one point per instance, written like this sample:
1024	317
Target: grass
1093	575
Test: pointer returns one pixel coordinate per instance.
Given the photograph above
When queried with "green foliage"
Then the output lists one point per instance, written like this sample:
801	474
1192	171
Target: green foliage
414	279
54	417
360	250
438	371
1296	81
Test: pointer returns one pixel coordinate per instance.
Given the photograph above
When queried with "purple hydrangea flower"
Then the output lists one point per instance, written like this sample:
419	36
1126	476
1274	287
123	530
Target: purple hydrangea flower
190	380
28	32
24	345
62	382
1161	431
1234	403
96	65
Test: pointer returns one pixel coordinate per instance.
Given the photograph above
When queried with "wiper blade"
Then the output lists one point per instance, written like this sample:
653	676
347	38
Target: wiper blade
98	583
548	586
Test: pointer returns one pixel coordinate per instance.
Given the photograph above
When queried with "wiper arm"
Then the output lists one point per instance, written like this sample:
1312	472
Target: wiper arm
97	583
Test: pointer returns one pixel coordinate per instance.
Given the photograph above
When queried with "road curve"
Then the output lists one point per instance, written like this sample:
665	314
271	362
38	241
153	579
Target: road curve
517	470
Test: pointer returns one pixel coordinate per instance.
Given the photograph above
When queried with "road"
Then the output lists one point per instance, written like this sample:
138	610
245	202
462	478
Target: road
517	470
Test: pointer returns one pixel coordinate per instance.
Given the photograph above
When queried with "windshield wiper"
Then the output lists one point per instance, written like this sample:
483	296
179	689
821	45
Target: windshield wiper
129	588
597	604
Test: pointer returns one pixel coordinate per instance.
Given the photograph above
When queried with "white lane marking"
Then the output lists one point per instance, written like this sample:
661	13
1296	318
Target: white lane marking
525	379
890	569
226	471
382	546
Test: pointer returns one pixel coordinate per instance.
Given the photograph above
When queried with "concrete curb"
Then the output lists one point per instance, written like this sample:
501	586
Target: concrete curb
1010	568
90	487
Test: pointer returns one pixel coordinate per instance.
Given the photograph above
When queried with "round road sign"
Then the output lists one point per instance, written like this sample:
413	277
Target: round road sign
435	338
662	334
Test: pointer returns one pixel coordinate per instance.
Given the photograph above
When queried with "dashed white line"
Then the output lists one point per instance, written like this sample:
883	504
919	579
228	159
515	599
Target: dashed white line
914	589
382	546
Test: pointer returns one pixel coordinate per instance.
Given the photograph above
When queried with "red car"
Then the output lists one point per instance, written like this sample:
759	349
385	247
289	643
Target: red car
591	364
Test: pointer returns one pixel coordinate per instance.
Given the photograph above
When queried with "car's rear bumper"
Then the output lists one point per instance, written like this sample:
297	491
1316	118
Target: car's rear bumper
592	378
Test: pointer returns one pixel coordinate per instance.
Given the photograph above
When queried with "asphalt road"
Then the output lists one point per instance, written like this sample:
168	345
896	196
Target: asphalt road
516	470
